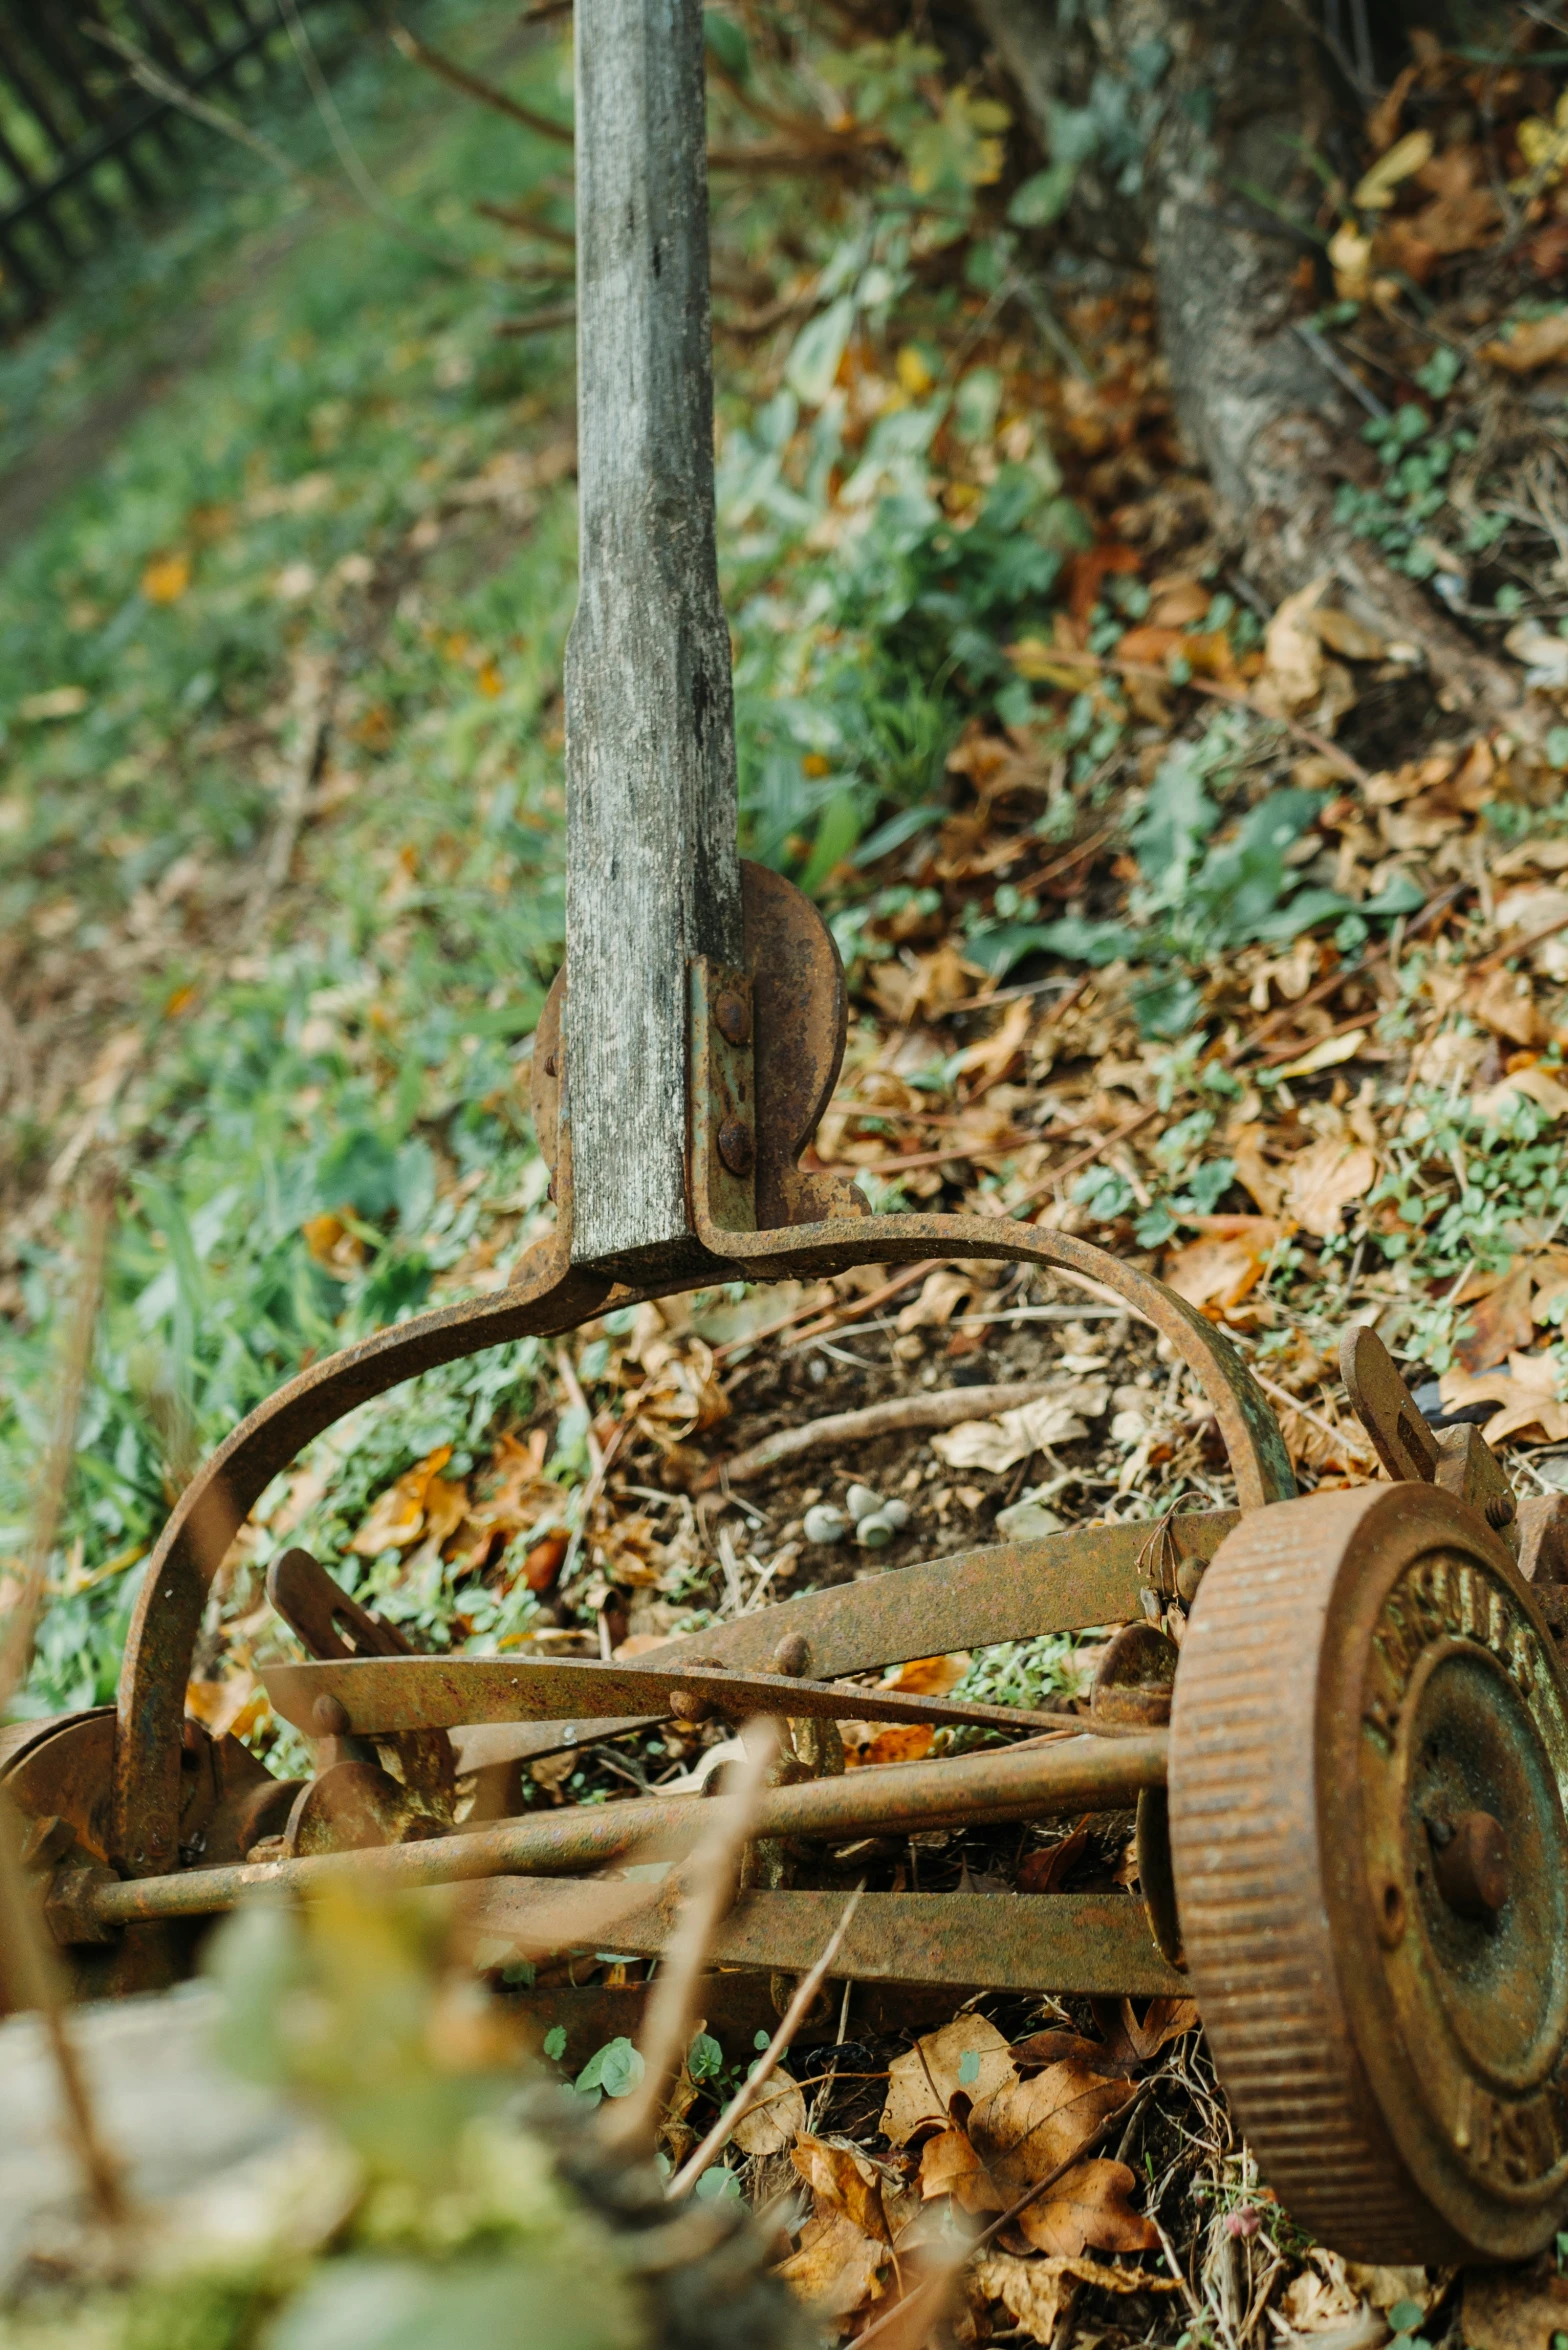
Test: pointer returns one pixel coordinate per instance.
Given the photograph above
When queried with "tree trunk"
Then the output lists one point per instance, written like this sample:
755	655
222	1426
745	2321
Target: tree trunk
1242	93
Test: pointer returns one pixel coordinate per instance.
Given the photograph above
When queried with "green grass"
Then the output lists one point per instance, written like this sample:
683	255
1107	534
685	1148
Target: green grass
360	1054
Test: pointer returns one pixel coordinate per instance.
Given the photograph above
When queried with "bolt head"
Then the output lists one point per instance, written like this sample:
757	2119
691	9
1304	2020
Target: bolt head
792	1656
737	1147
1500	1509
1473	1868
732	1016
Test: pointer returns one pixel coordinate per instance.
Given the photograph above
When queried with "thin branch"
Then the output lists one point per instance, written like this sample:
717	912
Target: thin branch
767	2064
445	69
933	1408
1085	1158
539	322
158	84
829	1317
710	1878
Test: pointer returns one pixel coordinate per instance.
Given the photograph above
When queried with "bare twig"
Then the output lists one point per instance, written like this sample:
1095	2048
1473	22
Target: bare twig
158	84
829	1318
539	322
420	53
937	1408
1518	946
998	1149
1085	1158
1299	1052
710	1883
767	2064
16	1645
1348	1441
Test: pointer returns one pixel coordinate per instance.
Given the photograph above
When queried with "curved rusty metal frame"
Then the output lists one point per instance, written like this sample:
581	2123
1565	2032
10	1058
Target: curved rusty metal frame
818	1225
553	1296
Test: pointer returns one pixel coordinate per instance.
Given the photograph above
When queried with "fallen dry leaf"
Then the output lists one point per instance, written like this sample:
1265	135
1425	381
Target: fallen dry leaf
1047	1870
397	1516
920	2084
1034	2291
1500	1319
1325	1179
1220	1268
1527	1391
227	1707
989	1061
844	2180
1534	1084
995	1445
1253	1171
1026	2129
1091	2208
1374	191
1504	1002
941	1294
897	1742
1131	2038
923	986
949	2165
1343	633
1292	676
1535	342
837	2267
166	579
1326	1055
1502	2311
776	2120
1031	2291
929	1676
1350	258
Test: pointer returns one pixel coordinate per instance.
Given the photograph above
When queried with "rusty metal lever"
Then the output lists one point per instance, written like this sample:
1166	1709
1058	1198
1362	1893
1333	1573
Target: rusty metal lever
1406	1446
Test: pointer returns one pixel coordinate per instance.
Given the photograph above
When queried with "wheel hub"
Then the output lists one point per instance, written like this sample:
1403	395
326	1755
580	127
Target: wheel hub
1465	1844
1367	1690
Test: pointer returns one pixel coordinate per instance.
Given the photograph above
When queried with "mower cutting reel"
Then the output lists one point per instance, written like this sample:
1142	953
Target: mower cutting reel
1350	1836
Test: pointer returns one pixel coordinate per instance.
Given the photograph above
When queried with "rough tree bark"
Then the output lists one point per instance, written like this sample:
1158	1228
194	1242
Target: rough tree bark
1263	415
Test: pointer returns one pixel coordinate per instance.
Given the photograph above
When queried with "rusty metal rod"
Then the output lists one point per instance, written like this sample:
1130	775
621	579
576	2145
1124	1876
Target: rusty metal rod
1011	1783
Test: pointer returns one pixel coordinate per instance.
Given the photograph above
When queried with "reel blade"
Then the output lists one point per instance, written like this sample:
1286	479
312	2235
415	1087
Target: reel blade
380	1696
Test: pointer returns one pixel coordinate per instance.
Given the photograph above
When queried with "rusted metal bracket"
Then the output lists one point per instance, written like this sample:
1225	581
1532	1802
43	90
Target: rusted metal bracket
1456	1460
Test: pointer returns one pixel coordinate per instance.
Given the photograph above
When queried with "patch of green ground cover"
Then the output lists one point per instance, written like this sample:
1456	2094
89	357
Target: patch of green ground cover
360	1061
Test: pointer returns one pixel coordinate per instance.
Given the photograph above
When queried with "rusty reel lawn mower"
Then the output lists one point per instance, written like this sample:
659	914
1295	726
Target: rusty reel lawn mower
1349	1777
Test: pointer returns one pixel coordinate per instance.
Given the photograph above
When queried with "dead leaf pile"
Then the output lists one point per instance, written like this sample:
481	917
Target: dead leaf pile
977	2123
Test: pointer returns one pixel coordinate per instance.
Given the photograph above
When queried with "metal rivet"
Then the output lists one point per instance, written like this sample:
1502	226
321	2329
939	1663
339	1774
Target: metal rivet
550	1064
793	1656
736	1146
732	1016
1473	1867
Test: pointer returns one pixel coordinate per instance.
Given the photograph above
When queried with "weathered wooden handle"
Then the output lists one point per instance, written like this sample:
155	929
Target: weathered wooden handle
653	875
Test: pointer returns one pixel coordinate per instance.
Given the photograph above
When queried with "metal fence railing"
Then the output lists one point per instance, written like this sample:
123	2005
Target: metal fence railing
91	121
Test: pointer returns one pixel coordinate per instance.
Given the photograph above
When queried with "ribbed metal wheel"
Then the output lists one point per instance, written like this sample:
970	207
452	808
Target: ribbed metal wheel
1369	1762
